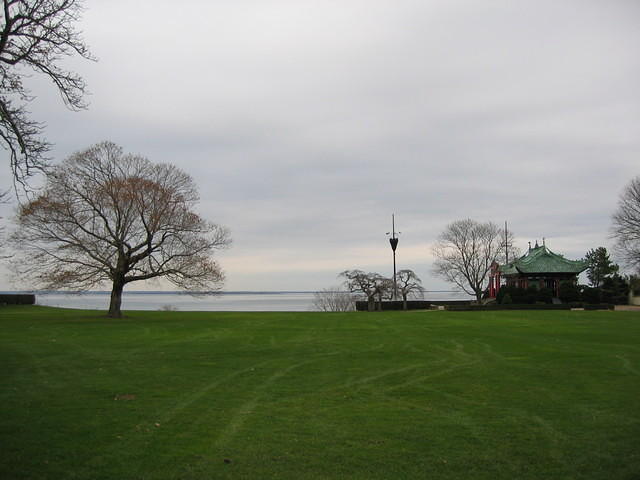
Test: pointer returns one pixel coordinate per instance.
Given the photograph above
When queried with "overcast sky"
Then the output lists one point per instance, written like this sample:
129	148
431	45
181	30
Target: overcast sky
306	124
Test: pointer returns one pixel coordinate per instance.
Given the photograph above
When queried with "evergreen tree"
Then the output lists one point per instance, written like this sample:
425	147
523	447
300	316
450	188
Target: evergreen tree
600	266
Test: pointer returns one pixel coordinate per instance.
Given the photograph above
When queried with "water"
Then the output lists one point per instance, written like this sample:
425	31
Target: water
227	301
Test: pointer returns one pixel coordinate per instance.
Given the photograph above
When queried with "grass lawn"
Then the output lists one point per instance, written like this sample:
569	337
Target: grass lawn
391	395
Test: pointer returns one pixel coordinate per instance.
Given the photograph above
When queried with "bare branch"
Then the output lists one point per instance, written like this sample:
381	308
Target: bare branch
464	253
626	226
35	35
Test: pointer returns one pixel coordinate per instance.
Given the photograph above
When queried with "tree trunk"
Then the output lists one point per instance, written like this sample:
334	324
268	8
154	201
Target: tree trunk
479	297
116	299
404	302
371	303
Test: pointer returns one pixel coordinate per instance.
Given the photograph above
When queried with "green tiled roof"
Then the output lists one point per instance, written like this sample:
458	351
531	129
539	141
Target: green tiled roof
543	260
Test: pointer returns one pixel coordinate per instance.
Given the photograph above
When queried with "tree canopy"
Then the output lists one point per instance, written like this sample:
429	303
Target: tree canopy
106	216
465	251
35	36
600	266
370	284
626	226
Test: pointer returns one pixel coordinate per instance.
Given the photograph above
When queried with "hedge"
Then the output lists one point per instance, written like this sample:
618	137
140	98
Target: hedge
17	299
542	306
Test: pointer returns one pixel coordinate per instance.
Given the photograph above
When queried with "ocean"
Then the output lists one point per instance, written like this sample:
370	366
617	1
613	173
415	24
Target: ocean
225	301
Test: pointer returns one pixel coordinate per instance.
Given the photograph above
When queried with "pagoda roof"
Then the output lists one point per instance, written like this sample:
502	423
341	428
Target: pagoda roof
540	259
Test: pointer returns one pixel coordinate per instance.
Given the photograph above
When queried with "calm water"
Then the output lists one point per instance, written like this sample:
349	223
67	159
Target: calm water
228	301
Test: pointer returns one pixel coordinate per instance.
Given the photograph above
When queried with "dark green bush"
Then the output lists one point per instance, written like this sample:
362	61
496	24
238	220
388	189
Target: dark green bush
569	292
615	289
591	295
545	295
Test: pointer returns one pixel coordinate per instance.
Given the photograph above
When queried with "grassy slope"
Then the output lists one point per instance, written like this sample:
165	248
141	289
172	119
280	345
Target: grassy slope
495	395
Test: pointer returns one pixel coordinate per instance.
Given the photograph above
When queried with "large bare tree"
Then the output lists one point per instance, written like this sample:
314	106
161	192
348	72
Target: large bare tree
35	36
626	226
106	216
465	251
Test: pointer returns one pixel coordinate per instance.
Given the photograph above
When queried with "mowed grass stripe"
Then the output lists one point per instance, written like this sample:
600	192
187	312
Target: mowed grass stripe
164	395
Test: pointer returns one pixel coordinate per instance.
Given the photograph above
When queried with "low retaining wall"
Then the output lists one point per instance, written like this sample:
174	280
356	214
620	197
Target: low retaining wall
17	299
361	306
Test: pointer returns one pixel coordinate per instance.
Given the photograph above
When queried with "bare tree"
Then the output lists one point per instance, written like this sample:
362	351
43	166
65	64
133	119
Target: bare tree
626	226
409	285
465	251
369	284
333	299
35	36
104	216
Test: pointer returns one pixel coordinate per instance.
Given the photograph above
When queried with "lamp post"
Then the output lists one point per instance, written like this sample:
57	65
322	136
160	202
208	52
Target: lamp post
394	244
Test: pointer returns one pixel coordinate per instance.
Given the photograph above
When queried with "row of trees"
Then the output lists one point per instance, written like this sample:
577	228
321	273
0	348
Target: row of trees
375	286
371	287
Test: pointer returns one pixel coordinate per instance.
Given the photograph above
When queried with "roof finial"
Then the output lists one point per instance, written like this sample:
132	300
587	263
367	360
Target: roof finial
529	246
543	244
536	243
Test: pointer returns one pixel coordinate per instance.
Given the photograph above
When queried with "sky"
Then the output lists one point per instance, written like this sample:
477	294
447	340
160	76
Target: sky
306	124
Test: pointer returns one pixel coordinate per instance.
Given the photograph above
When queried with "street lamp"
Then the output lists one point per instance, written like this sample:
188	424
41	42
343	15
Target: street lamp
394	244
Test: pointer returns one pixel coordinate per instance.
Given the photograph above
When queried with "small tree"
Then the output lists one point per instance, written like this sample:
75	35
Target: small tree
465	251
104	216
35	36
599	267
626	225
409	285
333	299
369	284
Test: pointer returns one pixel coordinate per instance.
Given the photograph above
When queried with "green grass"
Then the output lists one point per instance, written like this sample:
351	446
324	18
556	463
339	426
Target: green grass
468	395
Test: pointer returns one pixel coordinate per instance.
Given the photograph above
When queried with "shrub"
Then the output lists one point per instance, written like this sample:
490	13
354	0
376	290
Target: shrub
531	295
545	295
591	295
333	299
569	292
615	289
518	295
